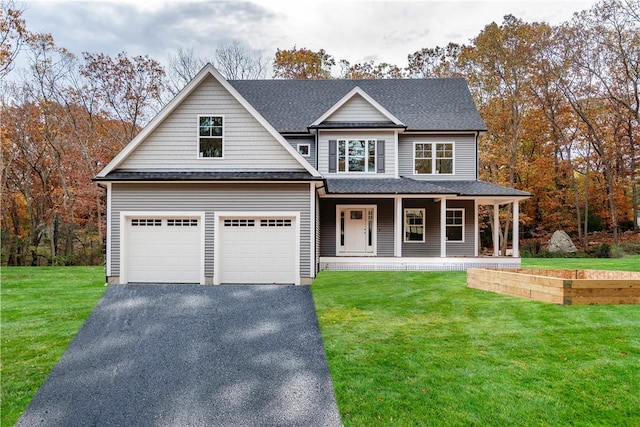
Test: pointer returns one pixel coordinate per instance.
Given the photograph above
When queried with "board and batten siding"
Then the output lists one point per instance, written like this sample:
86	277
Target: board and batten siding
389	152
174	143
212	198
465	156
384	218
357	109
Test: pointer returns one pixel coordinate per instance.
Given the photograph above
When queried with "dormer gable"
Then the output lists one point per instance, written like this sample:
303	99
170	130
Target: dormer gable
173	139
357	107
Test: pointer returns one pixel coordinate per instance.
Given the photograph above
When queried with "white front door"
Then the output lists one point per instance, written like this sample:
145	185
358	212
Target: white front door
356	230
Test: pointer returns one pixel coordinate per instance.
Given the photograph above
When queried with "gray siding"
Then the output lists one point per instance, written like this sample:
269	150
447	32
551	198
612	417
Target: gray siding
311	140
389	154
385	243
212	198
465	159
431	246
357	109
247	144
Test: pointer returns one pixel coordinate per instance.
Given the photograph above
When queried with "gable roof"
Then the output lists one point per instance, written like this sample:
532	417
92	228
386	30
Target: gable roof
355	92
207	70
420	104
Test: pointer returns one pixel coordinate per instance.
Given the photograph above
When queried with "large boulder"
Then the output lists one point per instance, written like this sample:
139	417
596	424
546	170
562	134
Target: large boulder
561	242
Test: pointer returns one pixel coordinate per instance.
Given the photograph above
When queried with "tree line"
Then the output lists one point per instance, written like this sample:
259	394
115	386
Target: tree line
561	104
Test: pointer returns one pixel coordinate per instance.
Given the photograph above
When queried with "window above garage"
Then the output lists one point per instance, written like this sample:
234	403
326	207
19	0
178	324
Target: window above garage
210	136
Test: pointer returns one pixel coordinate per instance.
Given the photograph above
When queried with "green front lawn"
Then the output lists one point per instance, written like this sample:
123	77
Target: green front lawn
412	348
42	310
404	348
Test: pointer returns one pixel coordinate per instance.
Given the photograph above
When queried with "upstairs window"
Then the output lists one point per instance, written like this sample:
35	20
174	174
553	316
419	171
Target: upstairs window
433	158
304	149
356	155
210	136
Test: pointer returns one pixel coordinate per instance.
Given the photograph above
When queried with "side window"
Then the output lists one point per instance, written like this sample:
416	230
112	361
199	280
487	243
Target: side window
455	225
304	150
210	136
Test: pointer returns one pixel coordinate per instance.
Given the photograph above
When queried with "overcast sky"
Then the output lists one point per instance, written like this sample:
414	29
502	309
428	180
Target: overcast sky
382	31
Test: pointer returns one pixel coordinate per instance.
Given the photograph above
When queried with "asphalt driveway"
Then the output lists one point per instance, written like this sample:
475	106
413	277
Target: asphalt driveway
183	355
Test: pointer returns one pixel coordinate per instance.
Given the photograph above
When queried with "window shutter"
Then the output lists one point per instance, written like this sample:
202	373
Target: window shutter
380	156
333	155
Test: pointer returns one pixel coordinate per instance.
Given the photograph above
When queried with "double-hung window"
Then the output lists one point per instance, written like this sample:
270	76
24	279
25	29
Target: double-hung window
414	225
455	225
356	155
433	158
210	136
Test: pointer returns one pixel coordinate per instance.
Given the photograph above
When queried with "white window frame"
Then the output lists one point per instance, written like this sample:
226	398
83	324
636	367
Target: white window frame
455	225
308	149
404	224
434	157
366	156
222	137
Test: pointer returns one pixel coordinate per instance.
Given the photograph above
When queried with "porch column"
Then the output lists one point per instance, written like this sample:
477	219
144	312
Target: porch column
476	229
515	244
397	233
443	228
496	230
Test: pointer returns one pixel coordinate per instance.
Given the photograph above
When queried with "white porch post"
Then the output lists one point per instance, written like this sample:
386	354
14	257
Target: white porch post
443	228
496	229
515	244
476	231
397	250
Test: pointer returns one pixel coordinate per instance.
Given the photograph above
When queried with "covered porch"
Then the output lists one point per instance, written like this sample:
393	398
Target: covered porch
431	231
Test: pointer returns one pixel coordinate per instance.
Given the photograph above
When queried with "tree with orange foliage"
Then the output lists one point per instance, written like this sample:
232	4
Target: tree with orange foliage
302	64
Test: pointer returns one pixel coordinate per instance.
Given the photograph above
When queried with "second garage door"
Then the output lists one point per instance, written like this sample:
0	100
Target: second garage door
257	250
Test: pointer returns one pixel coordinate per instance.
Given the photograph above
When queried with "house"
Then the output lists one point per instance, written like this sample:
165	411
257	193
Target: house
271	181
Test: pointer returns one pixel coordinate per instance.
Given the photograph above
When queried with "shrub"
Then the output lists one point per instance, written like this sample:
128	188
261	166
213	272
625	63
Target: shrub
602	251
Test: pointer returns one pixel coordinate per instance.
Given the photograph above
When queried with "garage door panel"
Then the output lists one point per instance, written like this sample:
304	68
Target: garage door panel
257	250
164	250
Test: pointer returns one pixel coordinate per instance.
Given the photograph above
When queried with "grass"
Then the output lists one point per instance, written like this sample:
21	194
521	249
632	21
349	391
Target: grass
42	310
404	348
412	348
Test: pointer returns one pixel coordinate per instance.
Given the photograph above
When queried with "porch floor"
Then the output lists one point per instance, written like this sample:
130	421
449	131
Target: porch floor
416	264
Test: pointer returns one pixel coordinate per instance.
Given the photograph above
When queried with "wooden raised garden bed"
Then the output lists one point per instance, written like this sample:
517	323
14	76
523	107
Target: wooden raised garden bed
569	287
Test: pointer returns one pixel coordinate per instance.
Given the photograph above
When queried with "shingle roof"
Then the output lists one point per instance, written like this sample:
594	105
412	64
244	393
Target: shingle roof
183	175
421	104
413	186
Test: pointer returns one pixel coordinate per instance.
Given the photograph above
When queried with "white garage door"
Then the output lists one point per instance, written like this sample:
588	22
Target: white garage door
257	250
163	250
